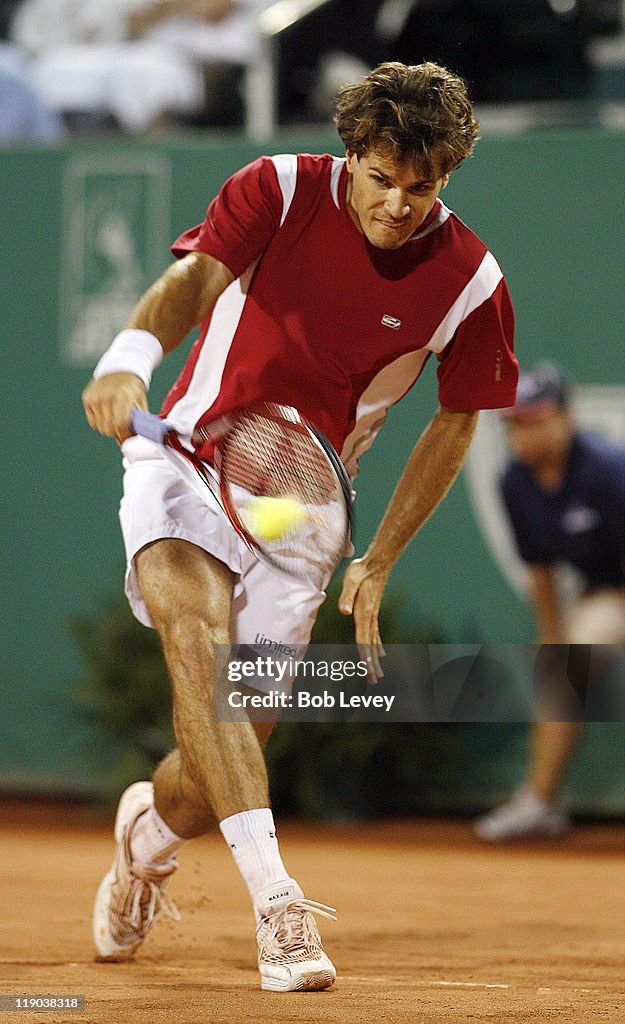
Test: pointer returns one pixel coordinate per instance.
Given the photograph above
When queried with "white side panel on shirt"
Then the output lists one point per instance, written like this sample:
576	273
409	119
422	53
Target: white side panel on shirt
208	371
398	377
479	288
286	169
386	388
338	164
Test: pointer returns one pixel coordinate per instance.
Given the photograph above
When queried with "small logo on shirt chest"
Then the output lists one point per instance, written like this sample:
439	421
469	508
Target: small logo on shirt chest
580	519
391	321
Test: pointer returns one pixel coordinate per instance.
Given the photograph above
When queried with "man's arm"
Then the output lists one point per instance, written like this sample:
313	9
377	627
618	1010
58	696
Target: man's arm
545	605
428	475
153	13
181	298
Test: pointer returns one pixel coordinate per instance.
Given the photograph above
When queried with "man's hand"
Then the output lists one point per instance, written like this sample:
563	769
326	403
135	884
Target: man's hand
109	402
361	597
428	474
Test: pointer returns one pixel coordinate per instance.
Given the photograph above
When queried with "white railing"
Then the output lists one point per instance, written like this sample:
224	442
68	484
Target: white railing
261	76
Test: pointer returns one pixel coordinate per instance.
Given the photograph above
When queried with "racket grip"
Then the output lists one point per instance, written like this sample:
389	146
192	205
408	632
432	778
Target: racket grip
148	425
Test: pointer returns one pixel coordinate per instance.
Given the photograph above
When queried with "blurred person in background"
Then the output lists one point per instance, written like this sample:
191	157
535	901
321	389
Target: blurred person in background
23	114
136	61
24	117
564	492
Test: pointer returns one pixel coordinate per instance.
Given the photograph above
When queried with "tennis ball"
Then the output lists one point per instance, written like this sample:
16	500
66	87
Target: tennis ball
271	518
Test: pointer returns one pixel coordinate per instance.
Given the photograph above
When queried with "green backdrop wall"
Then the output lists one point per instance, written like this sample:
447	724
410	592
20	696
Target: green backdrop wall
86	227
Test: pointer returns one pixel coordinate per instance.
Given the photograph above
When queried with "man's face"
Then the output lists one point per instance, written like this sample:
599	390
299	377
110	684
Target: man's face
543	441
387	201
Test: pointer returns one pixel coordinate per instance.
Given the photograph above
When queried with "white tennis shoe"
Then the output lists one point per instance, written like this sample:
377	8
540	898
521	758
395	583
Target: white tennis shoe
524	816
131	894
290	955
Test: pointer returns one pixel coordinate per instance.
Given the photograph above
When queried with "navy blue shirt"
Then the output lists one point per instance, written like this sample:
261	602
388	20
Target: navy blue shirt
583	522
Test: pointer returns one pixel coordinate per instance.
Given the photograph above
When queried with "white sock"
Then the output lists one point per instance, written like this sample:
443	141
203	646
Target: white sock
534	800
151	840
251	835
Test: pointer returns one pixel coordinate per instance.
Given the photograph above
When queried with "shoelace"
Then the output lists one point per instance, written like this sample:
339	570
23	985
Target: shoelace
287	926
142	911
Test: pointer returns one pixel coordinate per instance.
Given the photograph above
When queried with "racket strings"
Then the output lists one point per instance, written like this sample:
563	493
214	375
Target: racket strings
275	458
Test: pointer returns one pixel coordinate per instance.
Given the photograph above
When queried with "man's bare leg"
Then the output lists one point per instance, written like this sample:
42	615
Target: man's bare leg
532	810
188	594
217	774
177	798
552	745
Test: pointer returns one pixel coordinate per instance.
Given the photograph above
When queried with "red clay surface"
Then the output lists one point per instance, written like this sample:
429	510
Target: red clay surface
433	927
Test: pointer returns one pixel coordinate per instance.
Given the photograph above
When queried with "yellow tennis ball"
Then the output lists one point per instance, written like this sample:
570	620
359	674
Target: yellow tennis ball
272	518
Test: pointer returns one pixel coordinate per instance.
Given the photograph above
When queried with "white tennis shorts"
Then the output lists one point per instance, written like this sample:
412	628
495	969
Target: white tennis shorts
164	498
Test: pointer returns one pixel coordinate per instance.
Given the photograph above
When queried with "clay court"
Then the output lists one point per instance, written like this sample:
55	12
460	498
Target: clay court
432	927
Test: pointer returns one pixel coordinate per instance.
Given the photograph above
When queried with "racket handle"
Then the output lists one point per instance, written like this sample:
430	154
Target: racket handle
148	425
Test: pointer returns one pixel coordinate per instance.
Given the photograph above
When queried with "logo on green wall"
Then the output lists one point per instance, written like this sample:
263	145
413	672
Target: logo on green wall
116	213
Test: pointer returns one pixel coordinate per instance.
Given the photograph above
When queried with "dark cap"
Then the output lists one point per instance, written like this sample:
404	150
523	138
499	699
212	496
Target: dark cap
542	390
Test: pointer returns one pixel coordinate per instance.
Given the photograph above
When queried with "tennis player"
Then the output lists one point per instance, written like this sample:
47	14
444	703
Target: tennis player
327	284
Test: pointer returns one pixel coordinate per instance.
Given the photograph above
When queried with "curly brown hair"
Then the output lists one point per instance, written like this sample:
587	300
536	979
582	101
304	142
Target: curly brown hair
420	112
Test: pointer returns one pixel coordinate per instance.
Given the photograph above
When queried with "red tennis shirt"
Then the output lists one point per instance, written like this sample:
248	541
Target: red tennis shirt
320	319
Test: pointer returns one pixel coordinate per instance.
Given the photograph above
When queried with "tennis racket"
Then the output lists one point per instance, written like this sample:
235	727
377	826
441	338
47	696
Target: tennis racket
271	462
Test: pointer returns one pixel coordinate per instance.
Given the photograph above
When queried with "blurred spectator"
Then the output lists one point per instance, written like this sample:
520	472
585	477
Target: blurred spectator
136	60
565	494
23	117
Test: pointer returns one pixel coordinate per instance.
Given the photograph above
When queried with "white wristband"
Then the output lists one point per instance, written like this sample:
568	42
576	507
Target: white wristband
132	351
